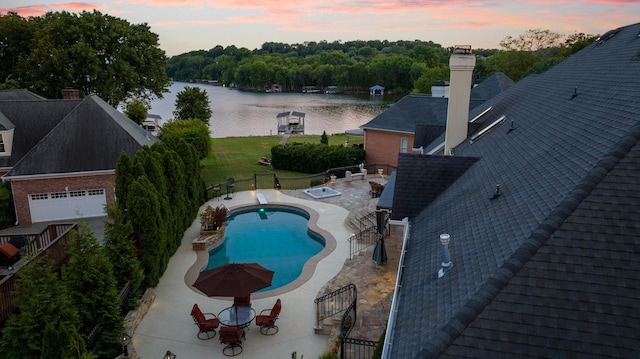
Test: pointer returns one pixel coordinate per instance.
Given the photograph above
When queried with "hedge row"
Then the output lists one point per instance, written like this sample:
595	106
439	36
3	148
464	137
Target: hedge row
314	157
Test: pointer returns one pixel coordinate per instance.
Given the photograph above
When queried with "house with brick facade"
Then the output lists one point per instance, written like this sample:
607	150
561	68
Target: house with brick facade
60	155
416	120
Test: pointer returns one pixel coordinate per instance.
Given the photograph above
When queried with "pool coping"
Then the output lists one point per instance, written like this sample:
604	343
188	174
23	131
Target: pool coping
202	256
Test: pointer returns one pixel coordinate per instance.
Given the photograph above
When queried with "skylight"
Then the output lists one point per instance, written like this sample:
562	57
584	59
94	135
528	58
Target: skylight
481	114
487	129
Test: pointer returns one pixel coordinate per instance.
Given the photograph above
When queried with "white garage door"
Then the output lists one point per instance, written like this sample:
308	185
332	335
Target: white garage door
67	205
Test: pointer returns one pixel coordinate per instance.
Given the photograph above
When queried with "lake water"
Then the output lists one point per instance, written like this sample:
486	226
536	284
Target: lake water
240	113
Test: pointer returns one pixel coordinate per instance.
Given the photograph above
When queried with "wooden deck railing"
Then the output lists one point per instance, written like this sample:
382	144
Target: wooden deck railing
51	243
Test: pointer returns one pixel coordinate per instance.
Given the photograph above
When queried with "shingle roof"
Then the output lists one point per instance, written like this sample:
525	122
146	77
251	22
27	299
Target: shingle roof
491	86
32	121
410	111
412	193
22	94
91	137
546	268
419	109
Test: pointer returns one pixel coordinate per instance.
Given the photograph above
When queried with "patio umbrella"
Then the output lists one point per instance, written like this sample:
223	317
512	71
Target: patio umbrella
233	280
379	252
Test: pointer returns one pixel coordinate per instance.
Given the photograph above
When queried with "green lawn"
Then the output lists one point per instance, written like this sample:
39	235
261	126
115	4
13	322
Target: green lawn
238	156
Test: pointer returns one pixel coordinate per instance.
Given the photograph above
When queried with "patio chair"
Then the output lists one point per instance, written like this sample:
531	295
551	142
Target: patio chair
232	337
267	322
242	301
206	326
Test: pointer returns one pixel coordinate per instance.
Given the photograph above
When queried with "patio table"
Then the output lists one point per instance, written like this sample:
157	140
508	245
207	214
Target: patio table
237	316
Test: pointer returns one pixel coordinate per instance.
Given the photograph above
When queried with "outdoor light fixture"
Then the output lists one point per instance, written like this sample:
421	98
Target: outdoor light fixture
124	341
169	355
446	263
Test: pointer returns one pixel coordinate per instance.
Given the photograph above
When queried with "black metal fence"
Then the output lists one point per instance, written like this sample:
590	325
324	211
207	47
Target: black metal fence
353	348
270	180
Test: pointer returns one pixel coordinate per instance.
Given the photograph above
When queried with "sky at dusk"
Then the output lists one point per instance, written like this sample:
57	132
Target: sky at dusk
186	25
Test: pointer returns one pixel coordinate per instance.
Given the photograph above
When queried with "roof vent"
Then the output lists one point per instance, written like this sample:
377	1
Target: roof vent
497	193
512	127
607	35
575	93
446	263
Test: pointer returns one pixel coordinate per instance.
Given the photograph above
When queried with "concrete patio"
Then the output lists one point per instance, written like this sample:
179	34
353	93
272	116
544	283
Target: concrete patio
168	325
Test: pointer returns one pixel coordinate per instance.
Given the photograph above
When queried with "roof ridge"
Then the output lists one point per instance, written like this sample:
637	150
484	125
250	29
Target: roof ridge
490	288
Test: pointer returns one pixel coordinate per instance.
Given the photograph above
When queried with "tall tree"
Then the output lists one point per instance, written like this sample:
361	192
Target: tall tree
92	52
193	103
136	110
45	324
88	276
533	40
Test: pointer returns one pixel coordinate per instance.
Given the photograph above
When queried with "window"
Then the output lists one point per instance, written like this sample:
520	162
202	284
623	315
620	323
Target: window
2	149
404	143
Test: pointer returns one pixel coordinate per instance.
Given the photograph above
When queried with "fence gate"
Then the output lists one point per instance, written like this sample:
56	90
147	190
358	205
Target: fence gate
265	180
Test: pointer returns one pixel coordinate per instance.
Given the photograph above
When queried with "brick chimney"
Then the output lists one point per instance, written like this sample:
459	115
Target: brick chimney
70	94
461	64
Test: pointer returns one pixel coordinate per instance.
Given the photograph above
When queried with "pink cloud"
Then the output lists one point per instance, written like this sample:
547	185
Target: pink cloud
37	10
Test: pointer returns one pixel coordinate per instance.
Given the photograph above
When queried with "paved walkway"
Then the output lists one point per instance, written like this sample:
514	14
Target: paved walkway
168	325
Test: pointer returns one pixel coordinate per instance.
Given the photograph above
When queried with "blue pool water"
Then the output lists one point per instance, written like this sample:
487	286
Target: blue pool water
276	238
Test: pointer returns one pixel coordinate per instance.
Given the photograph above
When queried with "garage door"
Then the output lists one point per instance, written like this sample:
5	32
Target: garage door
67	205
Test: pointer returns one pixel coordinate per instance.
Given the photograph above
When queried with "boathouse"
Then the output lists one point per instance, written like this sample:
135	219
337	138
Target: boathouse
291	122
376	90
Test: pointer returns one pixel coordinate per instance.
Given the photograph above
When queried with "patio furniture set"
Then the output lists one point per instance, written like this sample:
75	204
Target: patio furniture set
233	321
237	280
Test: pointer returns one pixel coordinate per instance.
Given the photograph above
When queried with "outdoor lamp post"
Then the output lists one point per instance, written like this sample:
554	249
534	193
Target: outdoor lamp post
169	355
445	238
124	341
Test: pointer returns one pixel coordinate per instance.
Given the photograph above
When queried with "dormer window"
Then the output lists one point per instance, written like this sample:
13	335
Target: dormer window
6	142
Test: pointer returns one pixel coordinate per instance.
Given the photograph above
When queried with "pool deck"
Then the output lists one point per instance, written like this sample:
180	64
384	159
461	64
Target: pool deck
168	325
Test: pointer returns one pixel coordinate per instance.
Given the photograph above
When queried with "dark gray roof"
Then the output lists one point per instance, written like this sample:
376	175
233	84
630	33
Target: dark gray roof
491	86
91	137
409	111
426	134
419	109
413	193
21	94
550	267
31	120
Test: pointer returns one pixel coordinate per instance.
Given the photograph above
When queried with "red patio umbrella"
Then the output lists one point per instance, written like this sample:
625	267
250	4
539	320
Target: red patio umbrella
234	280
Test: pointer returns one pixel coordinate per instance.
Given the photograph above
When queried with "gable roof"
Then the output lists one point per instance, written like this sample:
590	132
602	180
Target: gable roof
491	86
18	94
424	110
31	121
409	111
413	193
557	166
90	137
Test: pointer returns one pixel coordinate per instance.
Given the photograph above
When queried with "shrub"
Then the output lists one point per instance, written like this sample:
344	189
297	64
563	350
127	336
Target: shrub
212	218
314	157
194	132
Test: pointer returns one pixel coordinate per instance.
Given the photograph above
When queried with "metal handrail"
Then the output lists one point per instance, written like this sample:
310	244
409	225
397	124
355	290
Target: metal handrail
334	303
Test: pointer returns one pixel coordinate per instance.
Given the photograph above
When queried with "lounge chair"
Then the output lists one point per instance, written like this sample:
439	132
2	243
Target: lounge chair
9	254
232	337
206	326
267	322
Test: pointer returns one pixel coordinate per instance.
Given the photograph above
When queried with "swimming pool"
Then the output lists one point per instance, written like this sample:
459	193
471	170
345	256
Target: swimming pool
278	238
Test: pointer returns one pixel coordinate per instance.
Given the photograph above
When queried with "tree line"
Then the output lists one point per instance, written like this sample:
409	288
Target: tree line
354	66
